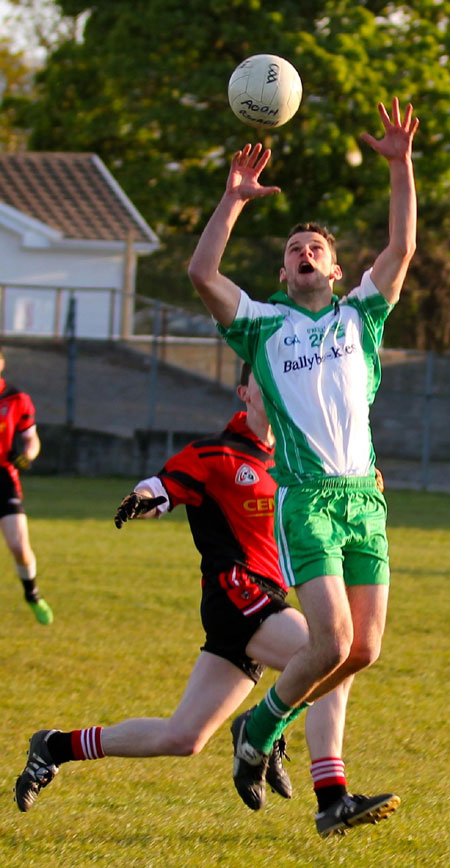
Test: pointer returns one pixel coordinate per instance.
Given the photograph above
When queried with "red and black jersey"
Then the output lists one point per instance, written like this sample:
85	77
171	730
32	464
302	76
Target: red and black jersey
225	483
16	415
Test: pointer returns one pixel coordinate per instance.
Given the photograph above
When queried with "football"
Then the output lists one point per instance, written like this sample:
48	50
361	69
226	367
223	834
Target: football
265	91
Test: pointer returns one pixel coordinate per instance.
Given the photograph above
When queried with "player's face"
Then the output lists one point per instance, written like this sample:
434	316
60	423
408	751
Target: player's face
308	264
254	397
251	396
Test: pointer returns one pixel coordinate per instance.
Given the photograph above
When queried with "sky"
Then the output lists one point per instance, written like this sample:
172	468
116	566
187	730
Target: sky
18	40
5	7
22	33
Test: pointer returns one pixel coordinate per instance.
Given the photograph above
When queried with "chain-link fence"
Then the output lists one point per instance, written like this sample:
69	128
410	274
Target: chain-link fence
175	373
411	418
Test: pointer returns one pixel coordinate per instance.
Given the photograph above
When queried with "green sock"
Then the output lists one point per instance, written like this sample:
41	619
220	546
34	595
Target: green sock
294	712
269	719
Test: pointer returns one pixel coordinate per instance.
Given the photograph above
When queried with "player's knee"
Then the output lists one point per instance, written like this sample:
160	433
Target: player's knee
20	555
183	742
332	653
338	646
363	654
195	745
338	652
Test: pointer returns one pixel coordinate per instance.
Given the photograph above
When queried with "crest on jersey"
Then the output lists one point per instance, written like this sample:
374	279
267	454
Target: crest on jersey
246	475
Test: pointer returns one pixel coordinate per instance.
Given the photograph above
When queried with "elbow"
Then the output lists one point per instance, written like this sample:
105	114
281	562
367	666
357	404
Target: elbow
410	243
404	252
197	275
410	249
194	275
32	449
202	280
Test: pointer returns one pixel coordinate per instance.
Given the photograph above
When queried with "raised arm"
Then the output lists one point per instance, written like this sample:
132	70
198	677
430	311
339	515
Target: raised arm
392	264
218	292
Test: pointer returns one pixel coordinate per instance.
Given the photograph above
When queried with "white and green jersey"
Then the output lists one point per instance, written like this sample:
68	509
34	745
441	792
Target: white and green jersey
318	374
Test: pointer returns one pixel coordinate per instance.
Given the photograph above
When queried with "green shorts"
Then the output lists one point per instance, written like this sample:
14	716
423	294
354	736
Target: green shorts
333	527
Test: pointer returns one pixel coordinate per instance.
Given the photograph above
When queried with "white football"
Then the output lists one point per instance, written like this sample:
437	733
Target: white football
265	91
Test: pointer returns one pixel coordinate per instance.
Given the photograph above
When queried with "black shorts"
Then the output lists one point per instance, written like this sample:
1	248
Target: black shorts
10	495
234	604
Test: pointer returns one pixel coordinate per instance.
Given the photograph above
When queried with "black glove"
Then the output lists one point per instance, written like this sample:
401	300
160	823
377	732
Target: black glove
135	504
19	459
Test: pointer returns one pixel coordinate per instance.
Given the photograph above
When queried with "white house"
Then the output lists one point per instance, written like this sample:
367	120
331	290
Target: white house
67	229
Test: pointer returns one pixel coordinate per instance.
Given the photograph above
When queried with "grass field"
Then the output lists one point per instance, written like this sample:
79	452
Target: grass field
125	636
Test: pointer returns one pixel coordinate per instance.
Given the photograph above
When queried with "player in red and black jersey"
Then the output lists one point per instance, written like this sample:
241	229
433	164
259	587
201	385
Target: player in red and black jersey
19	446
229	494
225	482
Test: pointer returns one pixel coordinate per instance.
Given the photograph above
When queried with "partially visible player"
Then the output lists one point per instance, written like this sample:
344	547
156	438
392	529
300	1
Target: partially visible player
19	446
225	482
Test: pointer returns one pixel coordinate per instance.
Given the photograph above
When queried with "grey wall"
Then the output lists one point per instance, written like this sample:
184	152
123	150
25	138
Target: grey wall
83	452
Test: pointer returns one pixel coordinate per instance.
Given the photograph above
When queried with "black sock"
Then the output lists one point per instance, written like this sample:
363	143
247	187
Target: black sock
31	590
327	795
60	747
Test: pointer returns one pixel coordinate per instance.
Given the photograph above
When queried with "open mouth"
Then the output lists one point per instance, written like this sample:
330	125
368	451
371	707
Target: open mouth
305	268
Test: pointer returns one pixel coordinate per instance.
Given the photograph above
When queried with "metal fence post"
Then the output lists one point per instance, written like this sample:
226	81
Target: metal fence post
153	383
426	445
57	313
70	332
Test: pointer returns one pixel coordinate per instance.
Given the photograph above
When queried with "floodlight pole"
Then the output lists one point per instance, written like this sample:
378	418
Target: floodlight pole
70	331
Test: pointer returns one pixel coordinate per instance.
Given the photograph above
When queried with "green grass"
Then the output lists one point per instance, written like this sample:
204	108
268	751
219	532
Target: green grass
125	636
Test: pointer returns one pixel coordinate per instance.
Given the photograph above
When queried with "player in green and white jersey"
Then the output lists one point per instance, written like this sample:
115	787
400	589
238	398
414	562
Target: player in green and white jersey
315	358
316	368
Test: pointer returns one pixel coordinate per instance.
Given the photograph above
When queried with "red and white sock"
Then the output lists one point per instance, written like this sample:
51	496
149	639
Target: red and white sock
87	743
329	771
328	774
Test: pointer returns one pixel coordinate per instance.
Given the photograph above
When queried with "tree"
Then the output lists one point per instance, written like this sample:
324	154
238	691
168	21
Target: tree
146	89
30	30
15	78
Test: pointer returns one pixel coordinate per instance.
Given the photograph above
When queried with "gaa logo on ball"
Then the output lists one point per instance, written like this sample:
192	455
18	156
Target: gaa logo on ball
265	91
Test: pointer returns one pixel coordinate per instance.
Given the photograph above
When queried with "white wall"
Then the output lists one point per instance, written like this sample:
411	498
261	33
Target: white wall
51	267
29	311
39	311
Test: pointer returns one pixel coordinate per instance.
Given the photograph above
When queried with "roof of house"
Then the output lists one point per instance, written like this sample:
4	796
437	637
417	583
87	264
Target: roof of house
73	193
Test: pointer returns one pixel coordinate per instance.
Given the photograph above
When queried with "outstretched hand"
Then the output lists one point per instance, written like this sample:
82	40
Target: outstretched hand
135	505
398	138
246	167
